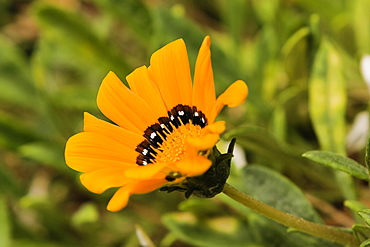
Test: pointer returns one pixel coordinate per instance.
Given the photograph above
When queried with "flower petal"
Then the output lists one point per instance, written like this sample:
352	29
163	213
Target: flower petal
122	106
100	180
125	137
146	172
204	142
170	70
88	151
194	165
204	96
120	198
142	85
233	96
216	127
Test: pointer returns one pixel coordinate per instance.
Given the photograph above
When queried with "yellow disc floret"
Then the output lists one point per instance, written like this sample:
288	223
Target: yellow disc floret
174	147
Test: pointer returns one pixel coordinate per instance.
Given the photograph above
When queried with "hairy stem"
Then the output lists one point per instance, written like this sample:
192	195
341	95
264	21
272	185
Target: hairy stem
317	230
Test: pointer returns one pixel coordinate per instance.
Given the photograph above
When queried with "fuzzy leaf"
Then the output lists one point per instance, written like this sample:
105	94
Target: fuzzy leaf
365	215
339	162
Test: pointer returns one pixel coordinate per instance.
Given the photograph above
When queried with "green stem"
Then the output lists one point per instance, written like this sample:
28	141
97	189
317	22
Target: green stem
317	230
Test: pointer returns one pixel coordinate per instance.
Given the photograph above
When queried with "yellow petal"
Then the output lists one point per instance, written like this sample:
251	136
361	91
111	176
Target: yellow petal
120	198
216	127
142	85
127	138
88	151
233	96
169	69
122	106
100	180
146	172
194	165
204	142
204	96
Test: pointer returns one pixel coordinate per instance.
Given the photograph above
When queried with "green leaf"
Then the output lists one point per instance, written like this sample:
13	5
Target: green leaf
361	232
339	162
327	107
328	99
366	243
294	39
261	183
354	205
5	236
365	215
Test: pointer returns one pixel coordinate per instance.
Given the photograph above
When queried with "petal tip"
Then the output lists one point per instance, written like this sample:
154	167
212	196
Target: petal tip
242	91
207	41
119	200
110	76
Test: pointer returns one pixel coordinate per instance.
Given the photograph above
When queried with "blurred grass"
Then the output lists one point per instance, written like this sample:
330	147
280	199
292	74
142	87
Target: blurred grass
54	54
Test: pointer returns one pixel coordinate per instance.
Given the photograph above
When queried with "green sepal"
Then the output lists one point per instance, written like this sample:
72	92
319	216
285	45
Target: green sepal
212	181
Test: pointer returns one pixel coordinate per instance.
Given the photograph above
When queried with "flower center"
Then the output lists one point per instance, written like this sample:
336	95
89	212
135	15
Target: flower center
165	141
173	149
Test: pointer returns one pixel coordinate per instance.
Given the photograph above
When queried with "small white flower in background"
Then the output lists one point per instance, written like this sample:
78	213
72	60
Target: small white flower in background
239	159
365	69
358	134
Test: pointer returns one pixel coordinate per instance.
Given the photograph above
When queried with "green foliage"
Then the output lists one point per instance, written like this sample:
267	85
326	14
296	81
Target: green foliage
327	98
339	162
367	155
75	33
208	228
5	228
301	61
360	17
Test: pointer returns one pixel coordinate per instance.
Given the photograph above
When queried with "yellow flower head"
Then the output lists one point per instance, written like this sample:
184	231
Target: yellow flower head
165	126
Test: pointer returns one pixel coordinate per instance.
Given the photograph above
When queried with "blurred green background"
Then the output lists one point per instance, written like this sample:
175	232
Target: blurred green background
300	59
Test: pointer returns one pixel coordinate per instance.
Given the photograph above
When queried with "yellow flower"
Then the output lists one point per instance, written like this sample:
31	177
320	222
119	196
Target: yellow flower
165	126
